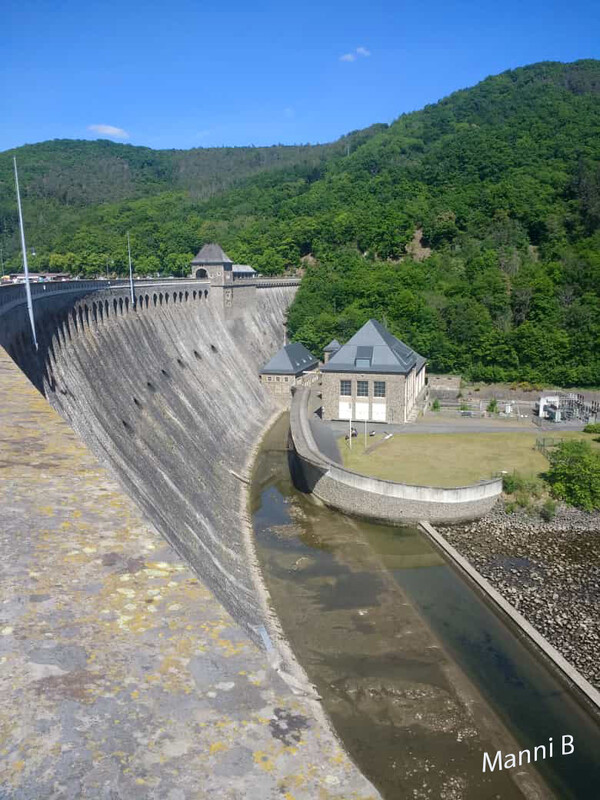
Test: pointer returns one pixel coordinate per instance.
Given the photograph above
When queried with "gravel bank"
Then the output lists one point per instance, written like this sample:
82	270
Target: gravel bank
549	571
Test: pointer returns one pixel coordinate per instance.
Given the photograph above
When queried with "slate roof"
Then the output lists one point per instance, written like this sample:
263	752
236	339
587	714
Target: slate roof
332	347
290	360
243	268
377	350
211	254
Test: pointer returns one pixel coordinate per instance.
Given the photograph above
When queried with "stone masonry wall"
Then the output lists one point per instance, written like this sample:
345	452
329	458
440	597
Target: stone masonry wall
394	393
376	499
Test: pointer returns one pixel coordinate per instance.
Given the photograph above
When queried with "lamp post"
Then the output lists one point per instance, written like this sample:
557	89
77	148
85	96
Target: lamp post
24	251
130	270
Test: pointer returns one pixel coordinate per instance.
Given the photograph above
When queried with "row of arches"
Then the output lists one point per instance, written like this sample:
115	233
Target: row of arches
60	324
99	310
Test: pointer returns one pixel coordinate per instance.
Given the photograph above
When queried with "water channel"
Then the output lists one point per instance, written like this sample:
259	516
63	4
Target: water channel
418	674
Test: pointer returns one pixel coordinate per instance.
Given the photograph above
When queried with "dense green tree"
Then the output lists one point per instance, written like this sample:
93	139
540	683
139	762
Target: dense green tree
574	474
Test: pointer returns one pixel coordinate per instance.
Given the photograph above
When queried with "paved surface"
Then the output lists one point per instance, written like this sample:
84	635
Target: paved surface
443	424
326	440
121	675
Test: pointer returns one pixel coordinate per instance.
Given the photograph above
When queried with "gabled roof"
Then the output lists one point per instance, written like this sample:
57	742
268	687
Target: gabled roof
211	254
332	347
374	349
290	360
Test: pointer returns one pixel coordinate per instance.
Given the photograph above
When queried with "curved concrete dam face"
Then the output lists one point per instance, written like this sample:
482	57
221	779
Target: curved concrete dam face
168	394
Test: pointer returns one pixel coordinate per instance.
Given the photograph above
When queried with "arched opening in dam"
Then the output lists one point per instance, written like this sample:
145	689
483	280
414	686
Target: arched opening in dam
419	676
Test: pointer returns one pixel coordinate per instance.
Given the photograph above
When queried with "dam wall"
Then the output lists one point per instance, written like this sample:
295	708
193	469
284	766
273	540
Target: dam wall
165	392
374	498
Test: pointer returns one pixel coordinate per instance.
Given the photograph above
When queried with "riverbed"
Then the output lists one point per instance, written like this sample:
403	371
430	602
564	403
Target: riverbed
418	675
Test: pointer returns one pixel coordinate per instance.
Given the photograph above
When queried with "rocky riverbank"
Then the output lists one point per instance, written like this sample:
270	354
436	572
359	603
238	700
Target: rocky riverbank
549	571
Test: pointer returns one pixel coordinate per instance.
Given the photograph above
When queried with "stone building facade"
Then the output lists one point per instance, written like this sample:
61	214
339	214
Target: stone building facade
374	377
212	263
291	366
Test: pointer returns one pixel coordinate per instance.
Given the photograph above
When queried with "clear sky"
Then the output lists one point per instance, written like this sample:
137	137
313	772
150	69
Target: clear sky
193	73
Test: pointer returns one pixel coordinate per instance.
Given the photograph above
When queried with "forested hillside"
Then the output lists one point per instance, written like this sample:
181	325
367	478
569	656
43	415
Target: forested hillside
62	180
471	228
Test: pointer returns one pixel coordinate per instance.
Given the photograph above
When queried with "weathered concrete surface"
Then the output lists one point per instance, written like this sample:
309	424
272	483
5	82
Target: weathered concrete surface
167	394
121	675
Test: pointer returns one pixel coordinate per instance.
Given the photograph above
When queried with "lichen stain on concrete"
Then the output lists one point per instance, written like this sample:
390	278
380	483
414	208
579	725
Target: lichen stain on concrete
121	675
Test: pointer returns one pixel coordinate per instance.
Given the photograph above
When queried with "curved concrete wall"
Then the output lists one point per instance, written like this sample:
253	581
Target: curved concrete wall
373	498
167	393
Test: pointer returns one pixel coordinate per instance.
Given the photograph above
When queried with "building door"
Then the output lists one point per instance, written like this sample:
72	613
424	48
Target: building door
345	409
379	412
362	410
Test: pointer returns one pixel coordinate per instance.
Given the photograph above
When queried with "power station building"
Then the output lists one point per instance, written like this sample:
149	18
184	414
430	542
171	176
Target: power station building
373	377
291	365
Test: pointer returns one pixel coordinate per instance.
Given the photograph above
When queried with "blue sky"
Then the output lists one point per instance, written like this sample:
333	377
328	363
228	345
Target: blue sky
187	73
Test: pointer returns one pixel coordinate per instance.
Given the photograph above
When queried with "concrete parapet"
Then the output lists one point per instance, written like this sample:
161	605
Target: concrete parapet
374	498
574	678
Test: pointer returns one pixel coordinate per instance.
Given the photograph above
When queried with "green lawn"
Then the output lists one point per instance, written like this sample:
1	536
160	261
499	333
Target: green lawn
450	459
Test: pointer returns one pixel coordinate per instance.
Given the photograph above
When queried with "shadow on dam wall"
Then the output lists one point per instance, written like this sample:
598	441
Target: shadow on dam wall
167	394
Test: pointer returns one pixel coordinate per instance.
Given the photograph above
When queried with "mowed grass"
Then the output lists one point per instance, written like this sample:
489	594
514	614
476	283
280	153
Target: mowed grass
450	459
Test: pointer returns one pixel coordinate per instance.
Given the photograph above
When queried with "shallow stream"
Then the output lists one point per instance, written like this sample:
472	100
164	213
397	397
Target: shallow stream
418	674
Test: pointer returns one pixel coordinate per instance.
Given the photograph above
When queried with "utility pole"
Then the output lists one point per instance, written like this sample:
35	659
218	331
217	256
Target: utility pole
130	270
25	265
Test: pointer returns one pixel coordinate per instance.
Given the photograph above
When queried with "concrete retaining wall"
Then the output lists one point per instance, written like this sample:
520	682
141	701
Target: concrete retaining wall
374	498
167	394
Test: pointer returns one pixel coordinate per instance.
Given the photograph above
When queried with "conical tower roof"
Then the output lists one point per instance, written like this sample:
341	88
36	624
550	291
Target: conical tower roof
211	254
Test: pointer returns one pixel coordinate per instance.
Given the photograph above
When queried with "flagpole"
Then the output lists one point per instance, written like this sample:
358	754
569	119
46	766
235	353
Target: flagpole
130	270
25	265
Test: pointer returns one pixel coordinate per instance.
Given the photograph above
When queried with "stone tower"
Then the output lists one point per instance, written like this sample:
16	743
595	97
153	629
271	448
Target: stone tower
213	262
